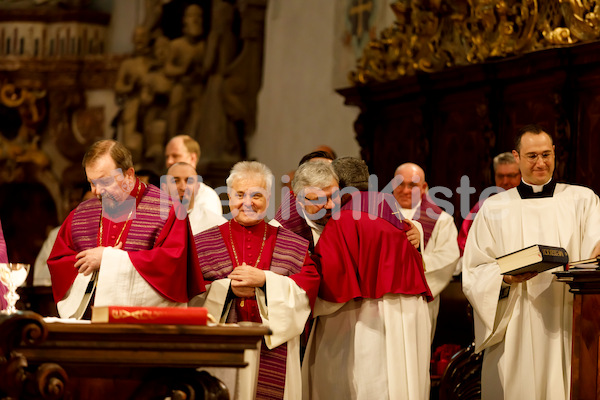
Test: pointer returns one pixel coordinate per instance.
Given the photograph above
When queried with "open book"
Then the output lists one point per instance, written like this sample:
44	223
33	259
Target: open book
536	258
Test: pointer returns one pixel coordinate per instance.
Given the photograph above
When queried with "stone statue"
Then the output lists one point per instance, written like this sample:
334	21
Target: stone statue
203	83
217	132
185	67
155	95
128	87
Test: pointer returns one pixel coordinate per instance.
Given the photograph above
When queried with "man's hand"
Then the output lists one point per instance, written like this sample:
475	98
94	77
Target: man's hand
245	278
245	275
413	234
596	251
510	279
242	291
89	261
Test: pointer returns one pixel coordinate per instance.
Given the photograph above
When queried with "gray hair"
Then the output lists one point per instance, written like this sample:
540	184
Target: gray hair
352	172
315	173
244	169
504	158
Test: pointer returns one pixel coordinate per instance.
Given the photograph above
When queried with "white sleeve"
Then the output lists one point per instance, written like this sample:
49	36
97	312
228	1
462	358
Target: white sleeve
119	283
208	199
441	254
284	308
70	303
214	299
482	283
41	273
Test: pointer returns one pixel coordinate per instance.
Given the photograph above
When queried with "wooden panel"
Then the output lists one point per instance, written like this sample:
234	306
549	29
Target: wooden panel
454	122
585	367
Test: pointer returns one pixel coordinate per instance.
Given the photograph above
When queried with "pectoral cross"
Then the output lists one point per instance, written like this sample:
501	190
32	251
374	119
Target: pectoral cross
359	15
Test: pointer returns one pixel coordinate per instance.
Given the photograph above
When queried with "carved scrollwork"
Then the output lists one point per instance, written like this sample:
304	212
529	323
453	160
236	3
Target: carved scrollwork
16	381
51	381
429	35
12	375
181	385
23	327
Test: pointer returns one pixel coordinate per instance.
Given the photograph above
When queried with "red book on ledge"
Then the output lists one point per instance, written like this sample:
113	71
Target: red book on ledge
150	315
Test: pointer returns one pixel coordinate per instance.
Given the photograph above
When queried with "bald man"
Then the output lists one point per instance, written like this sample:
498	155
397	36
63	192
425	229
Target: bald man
183	148
183	184
440	248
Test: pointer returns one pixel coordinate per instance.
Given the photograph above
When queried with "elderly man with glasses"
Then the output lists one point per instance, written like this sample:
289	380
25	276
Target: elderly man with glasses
524	322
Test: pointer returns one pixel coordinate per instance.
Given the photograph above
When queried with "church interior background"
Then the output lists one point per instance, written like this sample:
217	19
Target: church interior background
444	84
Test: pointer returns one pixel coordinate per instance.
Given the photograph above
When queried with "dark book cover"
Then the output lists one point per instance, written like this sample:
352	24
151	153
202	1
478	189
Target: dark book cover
536	258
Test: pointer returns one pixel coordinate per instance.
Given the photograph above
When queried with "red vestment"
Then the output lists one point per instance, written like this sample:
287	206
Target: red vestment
169	265
367	256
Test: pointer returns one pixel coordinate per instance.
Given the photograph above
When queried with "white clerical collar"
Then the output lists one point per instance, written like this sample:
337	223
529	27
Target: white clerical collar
536	188
410	212
315	228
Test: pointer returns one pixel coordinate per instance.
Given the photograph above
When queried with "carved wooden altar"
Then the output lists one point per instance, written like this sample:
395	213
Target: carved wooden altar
117	361
585	362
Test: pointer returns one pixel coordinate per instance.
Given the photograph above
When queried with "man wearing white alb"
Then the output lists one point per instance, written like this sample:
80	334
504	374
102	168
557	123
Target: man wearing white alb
183	148
440	248
524	322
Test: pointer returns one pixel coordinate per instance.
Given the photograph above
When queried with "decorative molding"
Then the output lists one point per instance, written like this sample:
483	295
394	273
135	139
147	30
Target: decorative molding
16	381
430	36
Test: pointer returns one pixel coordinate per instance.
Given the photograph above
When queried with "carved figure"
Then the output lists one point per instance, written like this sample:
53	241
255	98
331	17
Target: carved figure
128	87
217	132
185	67
156	90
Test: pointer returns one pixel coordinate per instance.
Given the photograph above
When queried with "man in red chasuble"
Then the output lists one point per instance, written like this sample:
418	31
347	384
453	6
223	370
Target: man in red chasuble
371	333
259	273
125	246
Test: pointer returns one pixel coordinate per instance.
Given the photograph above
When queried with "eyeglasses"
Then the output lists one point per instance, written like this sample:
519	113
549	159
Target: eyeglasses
533	157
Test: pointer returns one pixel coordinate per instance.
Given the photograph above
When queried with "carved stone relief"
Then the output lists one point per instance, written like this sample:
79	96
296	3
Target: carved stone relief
203	82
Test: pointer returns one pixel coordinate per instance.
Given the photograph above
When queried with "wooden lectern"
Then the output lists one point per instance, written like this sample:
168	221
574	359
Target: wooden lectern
585	371
42	360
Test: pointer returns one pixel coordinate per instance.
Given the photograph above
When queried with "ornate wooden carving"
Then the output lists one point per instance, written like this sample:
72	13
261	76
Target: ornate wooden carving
42	360
453	122
18	381
430	36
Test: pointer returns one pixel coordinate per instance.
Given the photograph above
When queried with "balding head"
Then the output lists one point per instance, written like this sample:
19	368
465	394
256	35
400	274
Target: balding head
182	148
411	185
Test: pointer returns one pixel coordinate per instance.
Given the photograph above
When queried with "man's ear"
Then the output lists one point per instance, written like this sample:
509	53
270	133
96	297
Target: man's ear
130	173
516	155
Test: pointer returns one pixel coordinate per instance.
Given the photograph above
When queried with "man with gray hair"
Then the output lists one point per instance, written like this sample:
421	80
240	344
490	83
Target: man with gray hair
257	272
506	176
292	214
315	186
371	333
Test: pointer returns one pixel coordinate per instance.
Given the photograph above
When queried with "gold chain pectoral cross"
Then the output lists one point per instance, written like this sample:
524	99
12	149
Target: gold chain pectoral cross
262	246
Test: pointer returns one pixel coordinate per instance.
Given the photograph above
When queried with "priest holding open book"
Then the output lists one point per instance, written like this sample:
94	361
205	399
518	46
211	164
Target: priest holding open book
523	322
